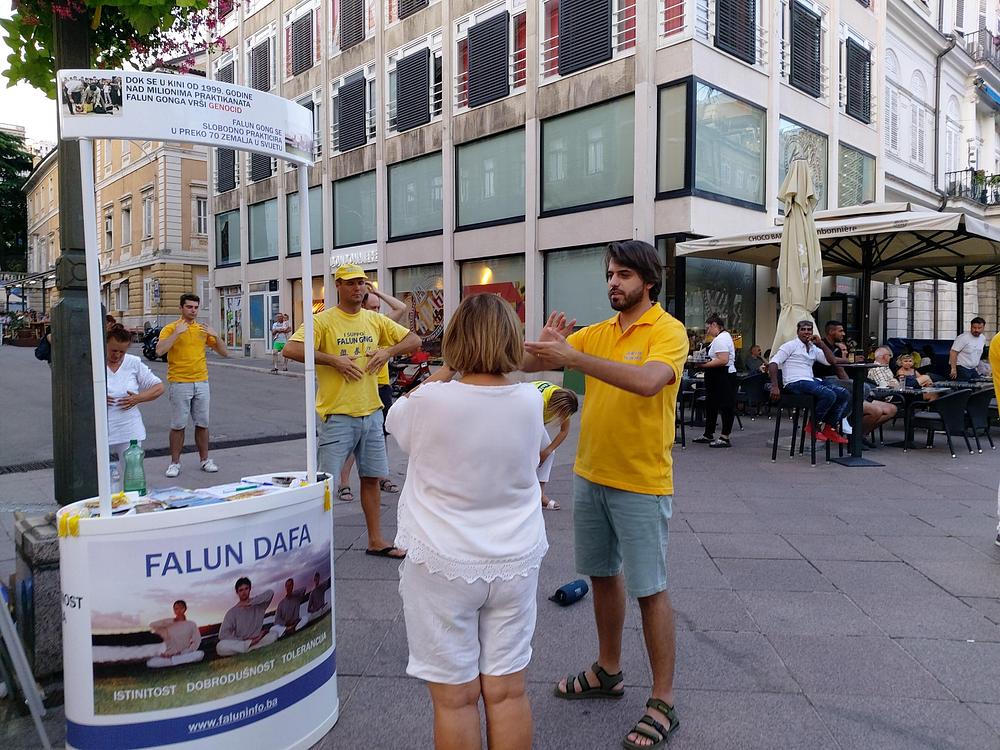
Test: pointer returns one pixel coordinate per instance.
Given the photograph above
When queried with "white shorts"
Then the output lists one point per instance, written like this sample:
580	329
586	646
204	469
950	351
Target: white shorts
458	630
545	467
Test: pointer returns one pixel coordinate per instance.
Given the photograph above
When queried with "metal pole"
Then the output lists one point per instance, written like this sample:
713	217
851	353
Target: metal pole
866	290
95	316
305	252
960	298
74	467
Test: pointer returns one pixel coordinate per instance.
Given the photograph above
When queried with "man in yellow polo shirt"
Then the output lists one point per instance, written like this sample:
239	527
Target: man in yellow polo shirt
187	372
352	345
623	489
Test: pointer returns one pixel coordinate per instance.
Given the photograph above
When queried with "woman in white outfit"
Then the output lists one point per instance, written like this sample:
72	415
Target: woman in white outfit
470	518
130	383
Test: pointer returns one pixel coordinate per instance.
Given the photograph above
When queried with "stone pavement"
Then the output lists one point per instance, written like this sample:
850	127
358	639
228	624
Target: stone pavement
816	608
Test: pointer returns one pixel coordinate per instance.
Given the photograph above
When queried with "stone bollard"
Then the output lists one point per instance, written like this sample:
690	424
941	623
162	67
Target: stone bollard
37	592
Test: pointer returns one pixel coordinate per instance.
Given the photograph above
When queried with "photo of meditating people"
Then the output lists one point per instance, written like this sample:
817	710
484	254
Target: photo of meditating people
258	607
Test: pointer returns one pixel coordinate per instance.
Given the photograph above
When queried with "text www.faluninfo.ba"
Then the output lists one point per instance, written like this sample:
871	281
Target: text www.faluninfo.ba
232	717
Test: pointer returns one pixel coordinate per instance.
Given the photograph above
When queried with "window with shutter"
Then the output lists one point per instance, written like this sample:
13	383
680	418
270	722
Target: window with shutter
413	105
300	52
225	158
351	113
408	7
585	36
805	63
736	28
259	65
260	167
489	51
892	126
858	66
352	23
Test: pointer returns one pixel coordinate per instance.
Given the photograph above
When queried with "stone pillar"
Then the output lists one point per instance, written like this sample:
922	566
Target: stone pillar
37	597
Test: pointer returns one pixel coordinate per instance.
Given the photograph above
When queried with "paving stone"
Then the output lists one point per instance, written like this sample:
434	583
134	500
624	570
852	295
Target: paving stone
876	577
967	524
969	670
926	616
357	642
964	578
382	713
685	546
749	545
890	723
854	547
773	575
855	665
694	574
367	600
354	564
711	610
895	523
988	712
731	662
807	613
932	549
987	606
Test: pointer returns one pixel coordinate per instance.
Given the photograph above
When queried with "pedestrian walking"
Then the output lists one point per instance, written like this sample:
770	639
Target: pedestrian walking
352	344
470	518
279	336
623	485
720	383
187	373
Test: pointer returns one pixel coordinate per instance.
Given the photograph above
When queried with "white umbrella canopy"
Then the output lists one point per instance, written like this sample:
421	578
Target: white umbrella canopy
800	266
868	240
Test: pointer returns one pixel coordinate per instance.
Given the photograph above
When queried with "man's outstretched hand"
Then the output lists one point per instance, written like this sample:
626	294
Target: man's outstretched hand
558	324
551	349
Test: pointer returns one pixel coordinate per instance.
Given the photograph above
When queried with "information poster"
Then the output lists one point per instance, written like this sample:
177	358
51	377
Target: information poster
191	109
198	630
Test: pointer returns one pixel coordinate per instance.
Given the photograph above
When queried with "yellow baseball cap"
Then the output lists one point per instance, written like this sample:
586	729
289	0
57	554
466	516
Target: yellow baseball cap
349	271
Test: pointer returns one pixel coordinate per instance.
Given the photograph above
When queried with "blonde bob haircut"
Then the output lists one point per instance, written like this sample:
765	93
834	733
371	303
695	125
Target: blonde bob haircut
483	337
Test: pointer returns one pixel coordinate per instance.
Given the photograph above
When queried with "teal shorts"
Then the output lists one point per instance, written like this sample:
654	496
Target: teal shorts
616	530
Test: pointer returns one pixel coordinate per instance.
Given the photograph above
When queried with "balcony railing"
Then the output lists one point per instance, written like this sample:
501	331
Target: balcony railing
335	130
984	47
623	31
516	72
679	20
437	93
974	185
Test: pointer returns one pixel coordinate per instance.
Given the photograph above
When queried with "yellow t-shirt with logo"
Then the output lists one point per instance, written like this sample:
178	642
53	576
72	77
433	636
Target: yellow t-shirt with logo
626	439
186	361
383	375
356	336
546	389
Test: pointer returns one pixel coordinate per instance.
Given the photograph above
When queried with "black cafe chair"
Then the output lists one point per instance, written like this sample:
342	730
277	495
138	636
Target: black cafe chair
752	394
947	414
978	413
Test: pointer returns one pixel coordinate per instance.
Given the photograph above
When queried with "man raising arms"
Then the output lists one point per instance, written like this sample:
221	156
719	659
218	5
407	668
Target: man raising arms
352	345
623	488
187	372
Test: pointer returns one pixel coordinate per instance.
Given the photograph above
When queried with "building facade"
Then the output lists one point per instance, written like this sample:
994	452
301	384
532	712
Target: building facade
498	145
153	226
941	143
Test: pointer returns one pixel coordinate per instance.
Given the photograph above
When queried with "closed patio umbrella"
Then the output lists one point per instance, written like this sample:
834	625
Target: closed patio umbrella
800	265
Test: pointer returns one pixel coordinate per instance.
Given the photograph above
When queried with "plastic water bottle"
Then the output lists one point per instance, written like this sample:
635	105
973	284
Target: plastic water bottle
135	475
116	477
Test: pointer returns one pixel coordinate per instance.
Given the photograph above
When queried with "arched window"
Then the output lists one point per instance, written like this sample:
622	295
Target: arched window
891	102
891	65
952	137
919	117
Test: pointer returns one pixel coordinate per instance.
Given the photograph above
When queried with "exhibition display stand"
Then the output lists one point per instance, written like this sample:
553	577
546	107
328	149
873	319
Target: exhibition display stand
202	617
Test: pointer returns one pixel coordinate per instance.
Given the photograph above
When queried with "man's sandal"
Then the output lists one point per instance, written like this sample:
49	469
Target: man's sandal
605	688
651	729
386	485
345	494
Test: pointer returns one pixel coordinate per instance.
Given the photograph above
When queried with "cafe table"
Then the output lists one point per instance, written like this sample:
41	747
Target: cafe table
857	372
911	398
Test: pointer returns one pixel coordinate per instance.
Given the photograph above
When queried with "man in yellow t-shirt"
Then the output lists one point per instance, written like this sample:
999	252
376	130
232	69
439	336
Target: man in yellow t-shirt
397	310
187	373
623	489
352	345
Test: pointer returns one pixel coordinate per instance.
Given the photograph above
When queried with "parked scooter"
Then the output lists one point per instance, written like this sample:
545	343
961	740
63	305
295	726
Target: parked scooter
149	341
406	373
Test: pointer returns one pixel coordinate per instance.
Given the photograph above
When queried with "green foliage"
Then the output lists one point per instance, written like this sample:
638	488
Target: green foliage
15	166
123	31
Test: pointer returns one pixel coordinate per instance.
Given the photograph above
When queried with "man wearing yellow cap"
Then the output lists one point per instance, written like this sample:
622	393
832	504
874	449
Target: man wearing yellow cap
352	344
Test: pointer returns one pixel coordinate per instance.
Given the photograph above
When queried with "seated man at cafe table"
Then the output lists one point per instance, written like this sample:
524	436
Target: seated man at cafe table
755	362
181	639
967	351
796	358
242	628
882	376
874	413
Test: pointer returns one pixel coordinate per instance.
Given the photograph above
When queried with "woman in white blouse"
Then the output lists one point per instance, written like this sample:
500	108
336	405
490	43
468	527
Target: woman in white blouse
130	383
470	518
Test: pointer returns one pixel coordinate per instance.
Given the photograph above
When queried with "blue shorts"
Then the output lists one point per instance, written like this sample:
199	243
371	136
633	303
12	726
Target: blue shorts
613	527
341	435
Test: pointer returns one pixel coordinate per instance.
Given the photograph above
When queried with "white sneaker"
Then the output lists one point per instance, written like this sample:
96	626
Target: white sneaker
846	428
173	470
209	466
